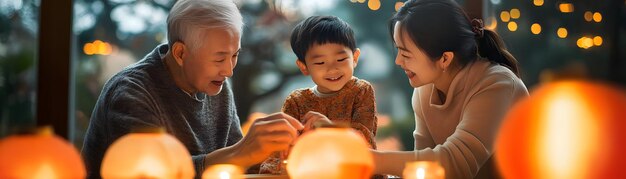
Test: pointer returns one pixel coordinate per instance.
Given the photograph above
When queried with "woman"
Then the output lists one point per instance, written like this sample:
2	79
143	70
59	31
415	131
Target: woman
465	81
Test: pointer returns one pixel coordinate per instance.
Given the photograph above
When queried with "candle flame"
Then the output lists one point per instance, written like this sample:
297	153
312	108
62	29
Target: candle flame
224	175
420	173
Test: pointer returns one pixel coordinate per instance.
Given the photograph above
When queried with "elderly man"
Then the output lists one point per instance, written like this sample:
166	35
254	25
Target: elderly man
181	86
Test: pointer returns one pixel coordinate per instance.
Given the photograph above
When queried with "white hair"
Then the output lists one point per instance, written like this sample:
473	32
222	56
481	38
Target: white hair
188	20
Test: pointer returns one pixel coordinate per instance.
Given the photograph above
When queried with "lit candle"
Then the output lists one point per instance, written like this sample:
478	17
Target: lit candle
423	170
223	171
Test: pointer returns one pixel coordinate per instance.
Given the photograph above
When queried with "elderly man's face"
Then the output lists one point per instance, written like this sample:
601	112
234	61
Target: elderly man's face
207	67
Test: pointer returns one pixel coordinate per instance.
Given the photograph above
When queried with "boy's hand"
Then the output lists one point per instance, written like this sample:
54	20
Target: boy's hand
312	118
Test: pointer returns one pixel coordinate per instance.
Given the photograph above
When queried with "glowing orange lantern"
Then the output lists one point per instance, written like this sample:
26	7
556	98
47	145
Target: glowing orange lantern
568	129
223	171
39	155
147	154
330	153
423	170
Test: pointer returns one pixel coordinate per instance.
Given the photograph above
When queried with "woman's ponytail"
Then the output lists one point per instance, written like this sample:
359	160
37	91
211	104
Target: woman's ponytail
491	46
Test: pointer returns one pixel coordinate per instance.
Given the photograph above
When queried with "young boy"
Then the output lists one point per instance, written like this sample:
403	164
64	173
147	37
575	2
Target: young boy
326	50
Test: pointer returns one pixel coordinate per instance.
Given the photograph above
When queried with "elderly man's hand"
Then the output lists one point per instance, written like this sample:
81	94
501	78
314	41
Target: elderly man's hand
273	133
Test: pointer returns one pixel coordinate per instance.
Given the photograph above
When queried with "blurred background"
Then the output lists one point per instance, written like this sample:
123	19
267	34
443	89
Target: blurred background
549	38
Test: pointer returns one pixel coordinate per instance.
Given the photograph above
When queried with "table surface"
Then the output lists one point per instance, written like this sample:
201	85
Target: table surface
265	176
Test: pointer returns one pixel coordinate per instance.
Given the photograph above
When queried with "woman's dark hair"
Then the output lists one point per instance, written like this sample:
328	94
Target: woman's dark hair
437	26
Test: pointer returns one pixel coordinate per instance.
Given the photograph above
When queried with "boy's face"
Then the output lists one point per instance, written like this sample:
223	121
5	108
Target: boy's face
330	65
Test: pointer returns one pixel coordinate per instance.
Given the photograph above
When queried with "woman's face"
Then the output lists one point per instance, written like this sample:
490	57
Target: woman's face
420	69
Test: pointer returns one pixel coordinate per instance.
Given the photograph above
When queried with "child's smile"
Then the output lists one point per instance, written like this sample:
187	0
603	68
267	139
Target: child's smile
333	79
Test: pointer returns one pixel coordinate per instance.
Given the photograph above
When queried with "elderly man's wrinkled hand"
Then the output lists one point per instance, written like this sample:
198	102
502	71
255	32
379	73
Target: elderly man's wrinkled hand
276	132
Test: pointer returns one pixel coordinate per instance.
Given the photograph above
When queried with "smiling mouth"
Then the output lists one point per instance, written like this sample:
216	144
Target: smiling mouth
334	78
410	74
217	83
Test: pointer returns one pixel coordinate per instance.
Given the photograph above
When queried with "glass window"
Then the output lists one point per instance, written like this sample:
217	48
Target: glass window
19	22
110	35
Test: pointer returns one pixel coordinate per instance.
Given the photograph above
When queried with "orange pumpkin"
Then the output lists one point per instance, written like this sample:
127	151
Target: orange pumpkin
149	154
330	153
567	129
40	155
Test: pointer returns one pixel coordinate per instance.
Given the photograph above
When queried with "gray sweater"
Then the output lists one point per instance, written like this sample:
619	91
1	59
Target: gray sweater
145	95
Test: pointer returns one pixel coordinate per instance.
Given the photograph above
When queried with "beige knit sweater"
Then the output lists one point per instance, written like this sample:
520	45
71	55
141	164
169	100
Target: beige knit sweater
460	133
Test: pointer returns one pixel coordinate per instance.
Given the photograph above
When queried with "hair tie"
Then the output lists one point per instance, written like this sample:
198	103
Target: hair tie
478	28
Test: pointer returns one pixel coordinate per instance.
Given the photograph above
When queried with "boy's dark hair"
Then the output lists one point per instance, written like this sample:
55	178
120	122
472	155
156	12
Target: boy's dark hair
321	30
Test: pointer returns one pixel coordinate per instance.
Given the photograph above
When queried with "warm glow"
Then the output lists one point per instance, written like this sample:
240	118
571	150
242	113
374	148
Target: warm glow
535	28
512	26
399	5
423	170
597	41
420	173
373	4
491	23
39	154
586	42
361	1
150	167
538	2
89	49
562	32
224	175
566	7
105	49
564	144
579	42
150	154
597	17
97	47
223	171
555	133
505	16
314	156
515	13
588	16
44	171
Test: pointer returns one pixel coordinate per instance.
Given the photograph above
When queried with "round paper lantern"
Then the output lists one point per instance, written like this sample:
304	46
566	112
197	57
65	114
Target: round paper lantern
39	155
147	154
567	129
330	153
